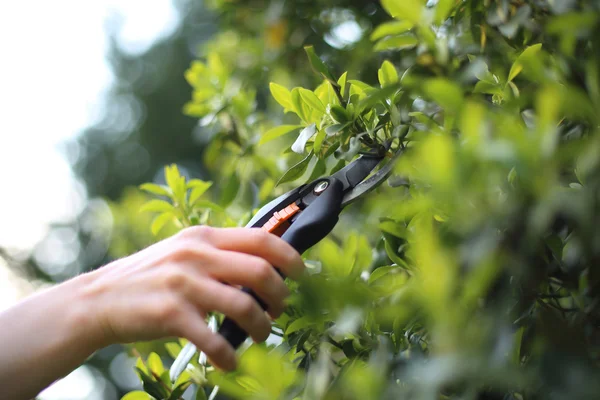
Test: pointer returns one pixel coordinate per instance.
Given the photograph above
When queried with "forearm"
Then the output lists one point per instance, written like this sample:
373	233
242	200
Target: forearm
44	338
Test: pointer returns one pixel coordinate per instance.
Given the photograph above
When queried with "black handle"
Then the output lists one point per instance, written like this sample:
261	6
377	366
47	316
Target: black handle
312	225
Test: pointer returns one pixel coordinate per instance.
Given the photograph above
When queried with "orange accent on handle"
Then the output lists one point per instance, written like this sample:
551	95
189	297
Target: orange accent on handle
279	217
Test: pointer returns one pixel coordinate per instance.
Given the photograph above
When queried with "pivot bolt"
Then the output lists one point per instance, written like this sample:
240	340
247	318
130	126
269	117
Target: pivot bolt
320	188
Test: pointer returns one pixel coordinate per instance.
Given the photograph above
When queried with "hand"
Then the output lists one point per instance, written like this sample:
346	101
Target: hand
168	288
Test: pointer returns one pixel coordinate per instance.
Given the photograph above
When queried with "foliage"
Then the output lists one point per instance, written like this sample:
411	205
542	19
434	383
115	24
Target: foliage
475	272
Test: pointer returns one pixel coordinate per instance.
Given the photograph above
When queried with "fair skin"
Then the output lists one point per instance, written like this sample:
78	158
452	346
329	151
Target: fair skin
165	290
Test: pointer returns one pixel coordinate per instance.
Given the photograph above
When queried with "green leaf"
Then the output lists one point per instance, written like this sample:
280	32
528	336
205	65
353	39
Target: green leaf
342	84
339	114
296	171
312	100
277	132
444	92
152	387
319	170
387	74
300	323
443	9
157	206
281	95
410	10
136	395
376	96
298	105
334	129
318	65
305	135
527	54
198	190
230	190
179	390
200	394
319	141
402	42
156	189
173	349
160	221
391	29
155	364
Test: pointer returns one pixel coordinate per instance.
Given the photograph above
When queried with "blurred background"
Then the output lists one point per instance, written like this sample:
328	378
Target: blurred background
92	95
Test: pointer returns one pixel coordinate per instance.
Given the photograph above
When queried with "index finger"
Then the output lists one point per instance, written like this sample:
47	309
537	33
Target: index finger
260	243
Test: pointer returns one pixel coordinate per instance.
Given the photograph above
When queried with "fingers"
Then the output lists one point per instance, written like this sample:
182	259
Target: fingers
234	303
252	272
217	349
254	241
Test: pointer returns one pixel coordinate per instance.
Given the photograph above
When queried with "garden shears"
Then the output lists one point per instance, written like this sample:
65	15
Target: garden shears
303	217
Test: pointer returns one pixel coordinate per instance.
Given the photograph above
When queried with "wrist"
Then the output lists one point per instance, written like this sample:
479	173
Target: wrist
85	315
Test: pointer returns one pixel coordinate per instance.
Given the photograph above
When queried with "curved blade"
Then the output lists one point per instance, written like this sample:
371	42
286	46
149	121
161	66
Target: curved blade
371	182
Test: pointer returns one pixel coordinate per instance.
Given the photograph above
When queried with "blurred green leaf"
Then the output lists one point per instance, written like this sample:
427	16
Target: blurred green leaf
277	132
136	395
391	29
400	42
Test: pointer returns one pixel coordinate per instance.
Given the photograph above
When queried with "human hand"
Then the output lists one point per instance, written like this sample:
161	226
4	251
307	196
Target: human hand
167	289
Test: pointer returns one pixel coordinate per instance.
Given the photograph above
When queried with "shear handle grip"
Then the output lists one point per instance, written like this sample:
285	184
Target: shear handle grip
311	226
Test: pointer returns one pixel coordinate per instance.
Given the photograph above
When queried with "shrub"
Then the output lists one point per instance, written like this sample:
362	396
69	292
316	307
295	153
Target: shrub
474	272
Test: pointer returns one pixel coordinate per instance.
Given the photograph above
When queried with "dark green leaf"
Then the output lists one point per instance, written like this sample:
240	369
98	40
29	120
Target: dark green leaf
296	171
318	65
230	190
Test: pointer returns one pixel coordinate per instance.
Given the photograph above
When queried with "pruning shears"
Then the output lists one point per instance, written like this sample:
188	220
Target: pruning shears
303	217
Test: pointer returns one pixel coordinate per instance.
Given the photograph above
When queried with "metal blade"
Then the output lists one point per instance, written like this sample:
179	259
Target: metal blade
371	182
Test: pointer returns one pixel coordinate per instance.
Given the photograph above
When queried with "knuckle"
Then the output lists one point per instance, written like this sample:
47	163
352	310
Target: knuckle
246	305
176	280
217	347
260	236
202	232
263	271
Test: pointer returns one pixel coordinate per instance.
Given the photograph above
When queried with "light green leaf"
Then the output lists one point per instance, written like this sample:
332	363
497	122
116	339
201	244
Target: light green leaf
160	221
319	141
155	189
407	41
300	323
527	55
387	74
156	206
155	364
277	132
136	395
198	191
443	9
173	349
298	105
444	92
410	10
391	29
296	171
300	143
342	83
281	95
312	100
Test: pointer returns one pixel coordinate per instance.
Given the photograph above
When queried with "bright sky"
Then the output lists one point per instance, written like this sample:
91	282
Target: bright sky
52	78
